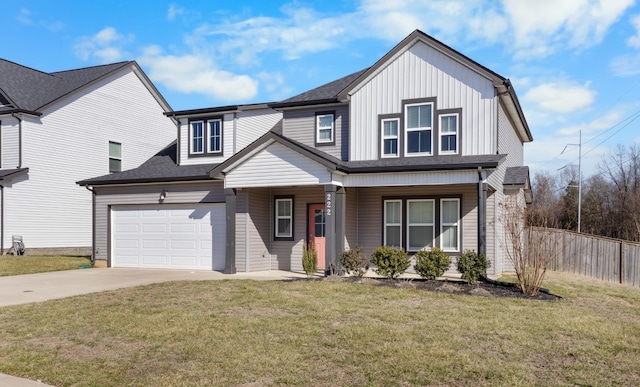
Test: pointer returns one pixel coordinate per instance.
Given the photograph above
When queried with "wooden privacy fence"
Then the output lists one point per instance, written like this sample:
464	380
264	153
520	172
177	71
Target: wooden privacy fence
607	259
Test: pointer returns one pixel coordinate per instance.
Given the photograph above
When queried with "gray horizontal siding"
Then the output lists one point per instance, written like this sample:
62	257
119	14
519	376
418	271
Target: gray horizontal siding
300	125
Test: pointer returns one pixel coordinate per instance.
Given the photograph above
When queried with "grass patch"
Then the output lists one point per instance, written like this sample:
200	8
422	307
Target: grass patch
325	333
29	264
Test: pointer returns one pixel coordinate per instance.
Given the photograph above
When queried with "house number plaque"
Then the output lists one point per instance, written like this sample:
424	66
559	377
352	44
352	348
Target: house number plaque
328	204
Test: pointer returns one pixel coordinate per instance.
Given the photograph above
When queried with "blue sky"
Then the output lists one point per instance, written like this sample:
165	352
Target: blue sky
575	64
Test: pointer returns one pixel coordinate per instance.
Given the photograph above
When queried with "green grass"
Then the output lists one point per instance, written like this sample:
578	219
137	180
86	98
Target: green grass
325	333
29	264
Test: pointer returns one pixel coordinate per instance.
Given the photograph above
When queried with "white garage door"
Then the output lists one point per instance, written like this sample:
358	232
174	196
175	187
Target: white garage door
169	237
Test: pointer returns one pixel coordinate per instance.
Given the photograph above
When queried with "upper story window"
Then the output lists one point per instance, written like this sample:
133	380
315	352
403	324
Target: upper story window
325	128
419	129
115	157
205	137
390	137
449	133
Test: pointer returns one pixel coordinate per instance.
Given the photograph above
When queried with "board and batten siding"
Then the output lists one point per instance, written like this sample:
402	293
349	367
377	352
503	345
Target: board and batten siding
70	142
300	125
421	72
277	165
509	143
10	143
251	124
195	193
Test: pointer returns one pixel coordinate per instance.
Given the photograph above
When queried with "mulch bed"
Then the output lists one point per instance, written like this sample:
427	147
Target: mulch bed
485	287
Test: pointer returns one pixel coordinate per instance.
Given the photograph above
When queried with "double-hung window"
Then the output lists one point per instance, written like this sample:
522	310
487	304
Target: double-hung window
205	137
215	136
284	218
449	133
115	157
419	129
393	223
325	129
420	225
390	137
449	226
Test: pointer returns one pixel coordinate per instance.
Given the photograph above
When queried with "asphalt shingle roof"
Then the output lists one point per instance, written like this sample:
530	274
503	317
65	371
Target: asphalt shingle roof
29	89
322	93
161	167
516	175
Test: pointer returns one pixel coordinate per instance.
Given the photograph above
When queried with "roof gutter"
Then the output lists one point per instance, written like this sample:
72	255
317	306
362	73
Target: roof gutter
510	100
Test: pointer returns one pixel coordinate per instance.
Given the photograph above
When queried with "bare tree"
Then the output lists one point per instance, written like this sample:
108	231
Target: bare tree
546	205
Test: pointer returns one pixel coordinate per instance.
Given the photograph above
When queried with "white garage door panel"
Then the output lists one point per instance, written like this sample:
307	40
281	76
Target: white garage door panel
169	237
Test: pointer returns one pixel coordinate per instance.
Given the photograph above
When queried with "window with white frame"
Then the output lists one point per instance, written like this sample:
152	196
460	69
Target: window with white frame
215	136
325	128
449	224
419	129
205	137
449	133
390	137
420	224
392	223
115	157
284	218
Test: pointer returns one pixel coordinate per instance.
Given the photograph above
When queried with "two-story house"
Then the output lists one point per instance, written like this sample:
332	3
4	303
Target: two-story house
417	151
58	128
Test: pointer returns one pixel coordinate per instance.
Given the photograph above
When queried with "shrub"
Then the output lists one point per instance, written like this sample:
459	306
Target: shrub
390	262
309	260
472	265
431	264
354	261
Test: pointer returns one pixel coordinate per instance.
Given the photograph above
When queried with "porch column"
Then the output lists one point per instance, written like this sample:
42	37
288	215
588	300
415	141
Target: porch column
482	217
340	219
335	217
230	247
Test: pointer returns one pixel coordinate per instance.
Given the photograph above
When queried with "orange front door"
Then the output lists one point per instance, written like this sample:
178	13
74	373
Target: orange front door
316	231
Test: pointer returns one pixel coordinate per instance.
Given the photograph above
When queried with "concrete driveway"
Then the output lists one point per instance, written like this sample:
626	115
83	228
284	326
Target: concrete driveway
27	288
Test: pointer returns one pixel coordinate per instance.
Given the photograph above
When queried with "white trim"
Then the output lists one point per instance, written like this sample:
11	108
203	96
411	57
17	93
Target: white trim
191	137
319	140
456	224
385	224
456	133
417	129
383	137
432	224
277	217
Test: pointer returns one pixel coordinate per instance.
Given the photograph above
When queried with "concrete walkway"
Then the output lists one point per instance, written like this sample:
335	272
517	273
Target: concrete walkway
24	289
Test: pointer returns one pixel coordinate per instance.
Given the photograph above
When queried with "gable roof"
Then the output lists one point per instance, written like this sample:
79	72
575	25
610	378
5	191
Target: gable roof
426	163
28	90
161	167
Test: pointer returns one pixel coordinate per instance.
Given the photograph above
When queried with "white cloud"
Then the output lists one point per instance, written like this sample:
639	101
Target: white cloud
107	46
546	26
560	97
196	73
24	17
625	65
174	11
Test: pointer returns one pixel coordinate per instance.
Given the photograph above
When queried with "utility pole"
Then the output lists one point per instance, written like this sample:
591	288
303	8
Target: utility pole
579	145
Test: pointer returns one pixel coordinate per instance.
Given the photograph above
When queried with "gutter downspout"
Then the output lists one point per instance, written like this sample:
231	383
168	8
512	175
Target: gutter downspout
19	139
93	225
482	214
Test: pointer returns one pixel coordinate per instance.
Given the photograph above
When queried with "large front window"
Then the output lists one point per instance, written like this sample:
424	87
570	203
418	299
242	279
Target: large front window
419	129
205	137
422	223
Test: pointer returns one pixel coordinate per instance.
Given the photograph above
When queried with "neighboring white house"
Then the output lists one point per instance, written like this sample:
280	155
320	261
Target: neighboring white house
58	128
417	151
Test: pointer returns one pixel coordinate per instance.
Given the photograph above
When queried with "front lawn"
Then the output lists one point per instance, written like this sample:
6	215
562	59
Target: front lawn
325	333
29	264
